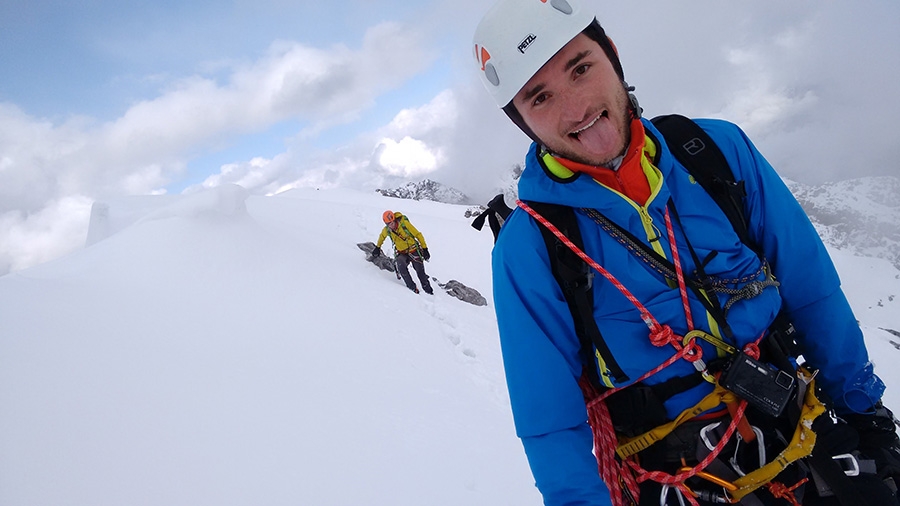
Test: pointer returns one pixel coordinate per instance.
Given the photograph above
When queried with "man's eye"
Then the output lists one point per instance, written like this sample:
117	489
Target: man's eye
581	69
538	100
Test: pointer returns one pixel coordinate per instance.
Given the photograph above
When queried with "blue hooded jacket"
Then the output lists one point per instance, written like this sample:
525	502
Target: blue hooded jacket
541	350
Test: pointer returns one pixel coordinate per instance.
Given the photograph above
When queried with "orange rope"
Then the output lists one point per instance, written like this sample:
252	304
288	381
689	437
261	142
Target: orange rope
781	491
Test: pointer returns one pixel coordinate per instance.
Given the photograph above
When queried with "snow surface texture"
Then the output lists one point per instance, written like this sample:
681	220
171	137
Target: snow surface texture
230	350
224	349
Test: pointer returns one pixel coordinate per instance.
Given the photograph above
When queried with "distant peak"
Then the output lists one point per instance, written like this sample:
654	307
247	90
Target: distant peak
427	189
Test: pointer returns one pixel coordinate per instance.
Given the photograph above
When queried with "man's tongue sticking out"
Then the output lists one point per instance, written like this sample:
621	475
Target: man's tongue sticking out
600	141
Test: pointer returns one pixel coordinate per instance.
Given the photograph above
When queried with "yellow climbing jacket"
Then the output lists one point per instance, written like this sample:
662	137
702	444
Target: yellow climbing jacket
406	238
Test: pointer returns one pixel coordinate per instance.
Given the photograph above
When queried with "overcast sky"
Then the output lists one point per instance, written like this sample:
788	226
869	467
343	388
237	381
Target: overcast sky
105	98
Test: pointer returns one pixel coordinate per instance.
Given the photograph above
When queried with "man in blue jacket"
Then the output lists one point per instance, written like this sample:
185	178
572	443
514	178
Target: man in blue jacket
549	65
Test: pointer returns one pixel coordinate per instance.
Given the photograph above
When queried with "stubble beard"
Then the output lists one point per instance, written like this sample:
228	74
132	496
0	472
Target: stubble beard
623	125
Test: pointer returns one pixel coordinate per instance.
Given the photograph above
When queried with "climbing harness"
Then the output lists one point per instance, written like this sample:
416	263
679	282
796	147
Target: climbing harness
621	472
413	251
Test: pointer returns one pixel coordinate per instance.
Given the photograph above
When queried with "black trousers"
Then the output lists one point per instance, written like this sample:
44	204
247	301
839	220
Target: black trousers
403	261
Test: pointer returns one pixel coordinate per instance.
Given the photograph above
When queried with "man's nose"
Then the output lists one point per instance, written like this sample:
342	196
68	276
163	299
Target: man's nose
573	107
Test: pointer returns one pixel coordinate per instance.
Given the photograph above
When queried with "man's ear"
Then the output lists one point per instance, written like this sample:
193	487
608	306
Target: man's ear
519	121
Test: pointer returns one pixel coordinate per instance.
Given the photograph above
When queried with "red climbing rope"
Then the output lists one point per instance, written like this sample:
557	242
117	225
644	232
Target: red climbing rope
623	478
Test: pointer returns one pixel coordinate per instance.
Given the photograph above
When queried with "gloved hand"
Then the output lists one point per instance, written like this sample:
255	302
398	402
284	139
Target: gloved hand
376	251
878	440
425	254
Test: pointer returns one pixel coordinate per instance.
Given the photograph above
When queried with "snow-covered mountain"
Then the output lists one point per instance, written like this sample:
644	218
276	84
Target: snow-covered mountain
219	348
427	189
860	215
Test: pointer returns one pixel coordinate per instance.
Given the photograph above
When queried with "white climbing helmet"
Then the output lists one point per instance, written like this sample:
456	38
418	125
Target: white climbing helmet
517	37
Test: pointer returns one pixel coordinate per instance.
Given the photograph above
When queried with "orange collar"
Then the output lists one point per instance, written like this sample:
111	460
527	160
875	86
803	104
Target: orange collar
629	179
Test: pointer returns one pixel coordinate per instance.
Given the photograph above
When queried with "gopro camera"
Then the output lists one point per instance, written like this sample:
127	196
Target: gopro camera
764	387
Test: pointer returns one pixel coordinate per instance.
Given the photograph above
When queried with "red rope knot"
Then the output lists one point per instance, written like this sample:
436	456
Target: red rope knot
693	352
752	349
782	491
662	335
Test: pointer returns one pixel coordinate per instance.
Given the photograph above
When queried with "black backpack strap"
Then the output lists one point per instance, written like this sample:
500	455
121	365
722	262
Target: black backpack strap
845	490
700	155
496	214
575	278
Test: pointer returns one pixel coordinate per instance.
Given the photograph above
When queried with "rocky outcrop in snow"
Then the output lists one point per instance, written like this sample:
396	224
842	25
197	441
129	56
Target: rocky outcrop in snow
427	190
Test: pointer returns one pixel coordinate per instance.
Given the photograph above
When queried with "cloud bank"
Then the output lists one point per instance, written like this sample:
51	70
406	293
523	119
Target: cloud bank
812	83
46	167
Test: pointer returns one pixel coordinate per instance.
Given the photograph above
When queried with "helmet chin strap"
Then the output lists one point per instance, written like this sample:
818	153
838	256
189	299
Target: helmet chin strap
632	99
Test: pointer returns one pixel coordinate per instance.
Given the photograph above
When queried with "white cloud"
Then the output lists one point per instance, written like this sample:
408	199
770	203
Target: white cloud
29	239
411	145
45	162
762	102
440	113
409	157
811	82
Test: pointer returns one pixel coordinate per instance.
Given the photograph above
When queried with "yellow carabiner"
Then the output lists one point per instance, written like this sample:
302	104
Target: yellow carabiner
699	364
711	339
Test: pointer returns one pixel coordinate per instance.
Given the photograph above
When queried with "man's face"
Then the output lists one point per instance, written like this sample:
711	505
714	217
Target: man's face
577	105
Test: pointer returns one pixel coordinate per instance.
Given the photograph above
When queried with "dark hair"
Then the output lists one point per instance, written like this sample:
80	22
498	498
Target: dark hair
595	32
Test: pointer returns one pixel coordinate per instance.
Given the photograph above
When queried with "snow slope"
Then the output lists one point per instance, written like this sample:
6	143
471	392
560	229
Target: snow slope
221	353
224	349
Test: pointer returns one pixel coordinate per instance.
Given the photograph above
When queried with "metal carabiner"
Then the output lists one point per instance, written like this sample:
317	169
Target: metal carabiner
711	339
760	447
715	480
705	438
664	495
699	363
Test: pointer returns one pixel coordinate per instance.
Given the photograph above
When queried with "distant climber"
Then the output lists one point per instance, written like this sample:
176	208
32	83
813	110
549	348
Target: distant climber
409	248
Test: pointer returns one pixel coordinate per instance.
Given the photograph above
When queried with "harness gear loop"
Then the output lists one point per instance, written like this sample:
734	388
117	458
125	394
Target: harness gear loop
639	443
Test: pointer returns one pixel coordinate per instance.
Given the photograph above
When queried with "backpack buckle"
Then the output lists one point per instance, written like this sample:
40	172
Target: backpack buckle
849	463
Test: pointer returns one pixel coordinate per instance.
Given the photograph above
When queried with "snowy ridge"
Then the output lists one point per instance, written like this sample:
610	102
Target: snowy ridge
233	350
221	348
860	215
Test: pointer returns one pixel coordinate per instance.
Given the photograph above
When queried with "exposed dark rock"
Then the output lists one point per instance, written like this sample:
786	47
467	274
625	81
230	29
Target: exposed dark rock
426	190
463	292
381	261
